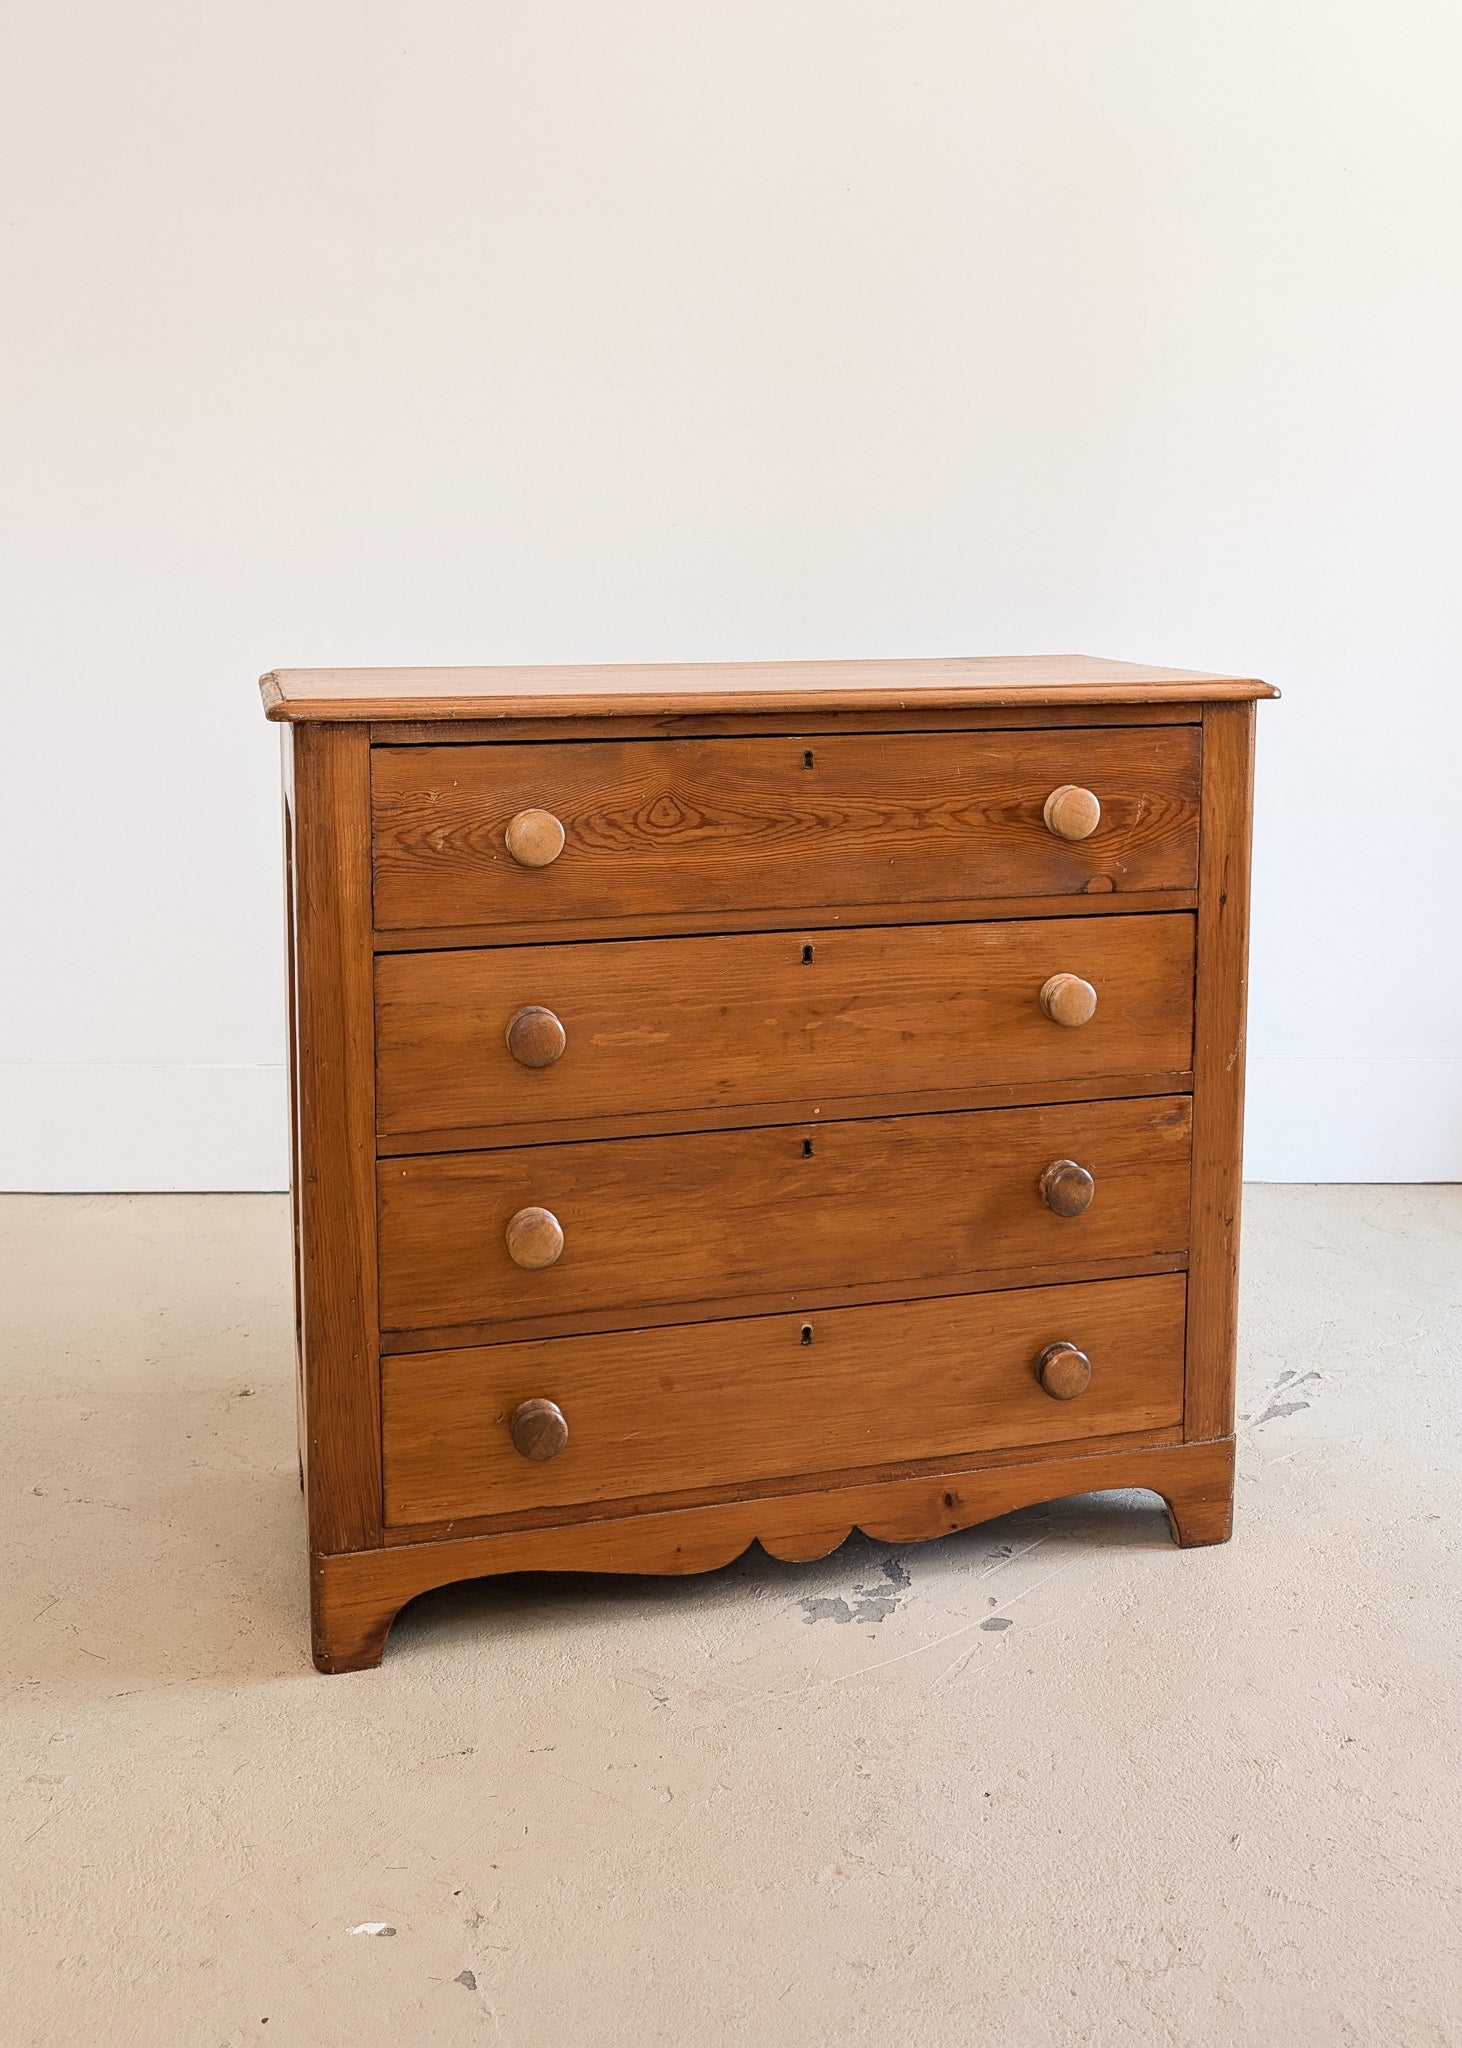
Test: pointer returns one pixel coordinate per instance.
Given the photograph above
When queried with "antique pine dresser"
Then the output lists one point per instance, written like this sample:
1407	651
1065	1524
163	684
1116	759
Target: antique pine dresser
751	1103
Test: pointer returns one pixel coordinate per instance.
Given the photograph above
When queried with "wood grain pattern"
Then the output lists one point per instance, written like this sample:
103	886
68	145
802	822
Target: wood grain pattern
356	1598
745	1490
758	1213
676	1025
845	1293
1101	902
334	1136
296	1248
775	1396
904	686
683	724
707	826
664	1123
1218	1083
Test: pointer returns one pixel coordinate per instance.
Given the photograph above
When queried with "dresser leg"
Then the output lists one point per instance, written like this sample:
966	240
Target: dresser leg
348	1628
1200	1496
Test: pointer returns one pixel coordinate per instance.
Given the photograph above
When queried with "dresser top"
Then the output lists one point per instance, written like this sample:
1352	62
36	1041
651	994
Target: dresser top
637	689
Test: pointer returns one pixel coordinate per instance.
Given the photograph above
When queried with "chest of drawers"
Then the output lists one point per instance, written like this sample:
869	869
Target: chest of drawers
751	1103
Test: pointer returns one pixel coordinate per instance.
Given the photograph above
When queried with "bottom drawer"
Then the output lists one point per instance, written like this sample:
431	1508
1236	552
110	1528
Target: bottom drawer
722	1404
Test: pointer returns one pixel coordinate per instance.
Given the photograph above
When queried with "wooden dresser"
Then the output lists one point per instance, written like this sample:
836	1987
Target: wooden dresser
750	1103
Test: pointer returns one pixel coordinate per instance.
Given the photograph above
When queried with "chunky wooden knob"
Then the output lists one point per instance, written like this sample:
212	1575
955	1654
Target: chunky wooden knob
539	1430
1072	812
534	1238
1066	1188
1063	1371
1067	999
535	1036
535	838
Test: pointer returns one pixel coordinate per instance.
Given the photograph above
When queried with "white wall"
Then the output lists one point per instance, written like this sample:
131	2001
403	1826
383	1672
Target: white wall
461	331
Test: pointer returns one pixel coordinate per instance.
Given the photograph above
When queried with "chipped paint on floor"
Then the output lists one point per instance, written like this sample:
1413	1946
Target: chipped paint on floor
872	1601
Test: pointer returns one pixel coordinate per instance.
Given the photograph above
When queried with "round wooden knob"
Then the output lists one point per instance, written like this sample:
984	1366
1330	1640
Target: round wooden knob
539	1430
534	1238
1066	1188
1063	1371
1072	812
1067	999
535	838
535	1036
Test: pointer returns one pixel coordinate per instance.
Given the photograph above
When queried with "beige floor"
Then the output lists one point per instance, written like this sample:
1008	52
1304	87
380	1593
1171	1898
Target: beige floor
1052	1781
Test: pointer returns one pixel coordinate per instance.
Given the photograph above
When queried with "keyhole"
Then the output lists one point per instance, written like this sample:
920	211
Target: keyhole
807	1333
807	1148
807	758
807	956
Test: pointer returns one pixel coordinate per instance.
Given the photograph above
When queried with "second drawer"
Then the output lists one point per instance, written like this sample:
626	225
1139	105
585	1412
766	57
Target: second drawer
519	1036
626	1229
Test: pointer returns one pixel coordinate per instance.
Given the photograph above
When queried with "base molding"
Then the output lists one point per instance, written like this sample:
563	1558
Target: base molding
356	1595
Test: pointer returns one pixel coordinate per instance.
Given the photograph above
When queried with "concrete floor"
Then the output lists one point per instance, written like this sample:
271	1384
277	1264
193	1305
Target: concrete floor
1051	1781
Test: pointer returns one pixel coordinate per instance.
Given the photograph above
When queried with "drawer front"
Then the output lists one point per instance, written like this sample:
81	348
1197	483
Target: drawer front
701	827
781	1216
714	1404
678	1025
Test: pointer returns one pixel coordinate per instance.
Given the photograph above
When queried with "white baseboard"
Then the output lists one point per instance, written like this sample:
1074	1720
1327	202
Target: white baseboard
153	1129
143	1129
1353	1119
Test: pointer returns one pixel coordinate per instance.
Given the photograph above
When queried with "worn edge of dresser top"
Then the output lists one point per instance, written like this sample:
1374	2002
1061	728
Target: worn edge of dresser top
640	689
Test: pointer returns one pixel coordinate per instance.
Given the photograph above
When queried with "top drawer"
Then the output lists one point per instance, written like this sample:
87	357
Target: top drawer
669	830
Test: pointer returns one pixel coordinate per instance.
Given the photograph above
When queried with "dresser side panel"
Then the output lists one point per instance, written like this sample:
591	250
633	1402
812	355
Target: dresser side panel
286	763
1218	1068
334	1162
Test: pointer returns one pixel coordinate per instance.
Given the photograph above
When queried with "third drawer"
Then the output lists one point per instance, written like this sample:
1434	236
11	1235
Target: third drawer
786	1217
